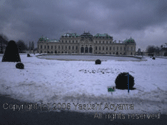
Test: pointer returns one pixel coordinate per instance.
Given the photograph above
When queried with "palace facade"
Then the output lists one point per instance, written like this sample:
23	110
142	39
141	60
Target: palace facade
86	43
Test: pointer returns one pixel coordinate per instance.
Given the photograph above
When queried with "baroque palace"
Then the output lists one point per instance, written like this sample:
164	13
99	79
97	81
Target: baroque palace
86	43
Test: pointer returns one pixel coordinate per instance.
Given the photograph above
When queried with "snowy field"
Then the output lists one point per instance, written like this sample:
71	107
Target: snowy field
79	85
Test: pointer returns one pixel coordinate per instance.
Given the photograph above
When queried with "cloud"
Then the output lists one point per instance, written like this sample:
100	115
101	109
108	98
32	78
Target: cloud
28	20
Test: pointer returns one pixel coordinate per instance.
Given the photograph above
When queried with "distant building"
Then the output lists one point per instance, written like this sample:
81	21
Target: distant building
86	43
164	50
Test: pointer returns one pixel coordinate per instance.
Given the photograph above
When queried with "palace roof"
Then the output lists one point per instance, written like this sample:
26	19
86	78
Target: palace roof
86	34
47	39
102	35
71	34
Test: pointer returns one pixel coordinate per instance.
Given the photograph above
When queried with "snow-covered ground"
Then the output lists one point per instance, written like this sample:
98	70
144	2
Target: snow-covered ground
76	84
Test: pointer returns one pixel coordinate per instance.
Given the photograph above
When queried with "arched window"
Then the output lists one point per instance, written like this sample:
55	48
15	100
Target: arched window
82	49
90	49
86	49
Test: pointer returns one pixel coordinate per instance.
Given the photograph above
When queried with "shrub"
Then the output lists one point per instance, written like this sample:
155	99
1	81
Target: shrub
153	58
11	53
28	55
20	66
122	81
98	61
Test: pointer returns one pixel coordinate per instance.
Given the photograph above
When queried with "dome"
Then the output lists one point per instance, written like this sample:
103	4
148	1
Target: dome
130	40
43	39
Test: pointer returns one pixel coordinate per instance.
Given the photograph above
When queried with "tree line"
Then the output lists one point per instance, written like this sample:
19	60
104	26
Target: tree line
156	50
22	47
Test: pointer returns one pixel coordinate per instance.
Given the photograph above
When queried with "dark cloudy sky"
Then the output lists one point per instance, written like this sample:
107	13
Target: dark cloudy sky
143	20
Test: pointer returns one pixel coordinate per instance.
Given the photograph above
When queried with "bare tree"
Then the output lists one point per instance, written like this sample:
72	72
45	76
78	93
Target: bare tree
153	50
21	46
3	42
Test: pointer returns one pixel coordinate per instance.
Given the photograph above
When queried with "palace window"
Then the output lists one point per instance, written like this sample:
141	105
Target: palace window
69	47
96	47
106	48
117	48
76	47
66	47
41	46
51	47
62	47
59	47
103	47
99	48
110	47
55	47
45	47
120	48
72	47
62	41
48	47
